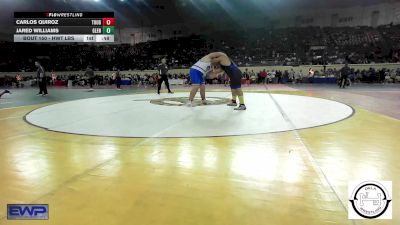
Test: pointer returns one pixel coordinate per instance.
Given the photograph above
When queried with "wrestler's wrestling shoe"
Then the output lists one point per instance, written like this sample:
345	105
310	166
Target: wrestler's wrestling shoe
232	104
189	104
241	107
7	92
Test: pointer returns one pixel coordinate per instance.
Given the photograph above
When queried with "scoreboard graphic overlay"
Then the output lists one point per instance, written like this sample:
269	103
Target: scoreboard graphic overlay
64	26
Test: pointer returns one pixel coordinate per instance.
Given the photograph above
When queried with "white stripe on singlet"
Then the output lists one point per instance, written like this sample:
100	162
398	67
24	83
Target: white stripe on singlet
201	66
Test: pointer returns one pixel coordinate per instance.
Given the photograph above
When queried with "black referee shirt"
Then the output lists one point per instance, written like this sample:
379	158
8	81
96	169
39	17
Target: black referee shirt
89	72
40	72
162	69
345	71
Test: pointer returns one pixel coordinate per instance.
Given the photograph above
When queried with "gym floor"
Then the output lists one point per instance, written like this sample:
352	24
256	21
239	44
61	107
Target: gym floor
288	176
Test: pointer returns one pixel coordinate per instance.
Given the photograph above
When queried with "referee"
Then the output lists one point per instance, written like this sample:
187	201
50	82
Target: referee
163	75
41	77
90	74
344	75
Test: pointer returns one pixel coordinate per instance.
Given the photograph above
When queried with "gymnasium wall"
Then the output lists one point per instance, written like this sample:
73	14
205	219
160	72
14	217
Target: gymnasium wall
303	68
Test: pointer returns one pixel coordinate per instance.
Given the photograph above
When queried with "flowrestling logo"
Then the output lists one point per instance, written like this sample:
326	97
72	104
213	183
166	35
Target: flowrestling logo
27	212
370	200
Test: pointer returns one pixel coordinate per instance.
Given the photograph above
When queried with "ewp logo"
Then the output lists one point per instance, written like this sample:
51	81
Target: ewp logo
27	212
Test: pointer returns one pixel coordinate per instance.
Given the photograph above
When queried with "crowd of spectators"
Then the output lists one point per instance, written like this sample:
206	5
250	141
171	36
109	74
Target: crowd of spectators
265	76
254	47
289	46
79	79
75	57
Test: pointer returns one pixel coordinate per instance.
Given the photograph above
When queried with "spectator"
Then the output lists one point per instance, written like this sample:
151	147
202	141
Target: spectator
263	76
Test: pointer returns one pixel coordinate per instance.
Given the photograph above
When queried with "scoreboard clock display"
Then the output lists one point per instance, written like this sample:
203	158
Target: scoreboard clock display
64	26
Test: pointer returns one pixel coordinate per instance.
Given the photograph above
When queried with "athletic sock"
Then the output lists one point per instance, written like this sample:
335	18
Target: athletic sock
241	100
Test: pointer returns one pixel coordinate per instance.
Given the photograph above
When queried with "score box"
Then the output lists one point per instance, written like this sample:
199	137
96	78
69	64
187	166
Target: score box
104	38
108	30
108	21
98	38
